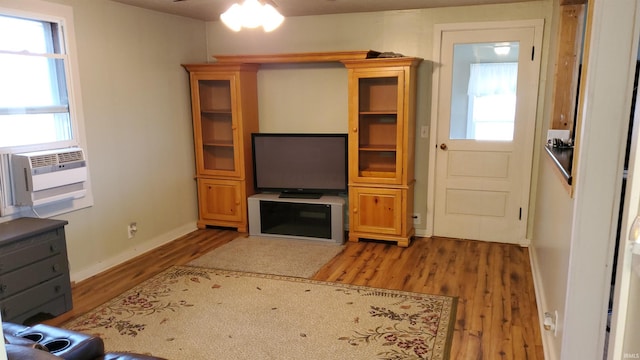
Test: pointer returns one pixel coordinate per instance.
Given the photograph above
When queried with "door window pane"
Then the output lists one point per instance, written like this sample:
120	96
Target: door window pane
483	98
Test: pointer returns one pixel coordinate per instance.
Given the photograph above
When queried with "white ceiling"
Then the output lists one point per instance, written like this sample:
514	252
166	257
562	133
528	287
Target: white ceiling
210	10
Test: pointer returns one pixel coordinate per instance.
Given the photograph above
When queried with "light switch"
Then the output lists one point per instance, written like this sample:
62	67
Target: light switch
424	131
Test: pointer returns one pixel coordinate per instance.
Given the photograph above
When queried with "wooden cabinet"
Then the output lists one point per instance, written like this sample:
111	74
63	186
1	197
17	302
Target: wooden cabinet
224	101
381	148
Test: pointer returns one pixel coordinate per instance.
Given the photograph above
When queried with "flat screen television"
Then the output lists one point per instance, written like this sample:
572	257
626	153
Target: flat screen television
300	165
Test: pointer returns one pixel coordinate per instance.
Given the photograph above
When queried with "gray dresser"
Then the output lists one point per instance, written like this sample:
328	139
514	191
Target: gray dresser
34	269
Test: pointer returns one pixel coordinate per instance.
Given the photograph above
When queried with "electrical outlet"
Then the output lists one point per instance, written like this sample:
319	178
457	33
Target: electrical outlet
132	229
550	322
416	218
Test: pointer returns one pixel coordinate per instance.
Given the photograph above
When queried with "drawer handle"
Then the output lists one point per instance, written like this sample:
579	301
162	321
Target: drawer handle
57	289
55	268
53	248
3	288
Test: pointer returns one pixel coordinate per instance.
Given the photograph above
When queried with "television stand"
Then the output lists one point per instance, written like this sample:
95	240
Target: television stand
319	219
299	195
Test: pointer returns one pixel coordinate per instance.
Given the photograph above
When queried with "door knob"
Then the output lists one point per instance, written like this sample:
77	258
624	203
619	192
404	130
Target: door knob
443	146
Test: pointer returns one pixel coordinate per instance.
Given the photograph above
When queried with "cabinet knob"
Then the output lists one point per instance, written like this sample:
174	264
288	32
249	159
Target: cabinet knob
3	288
57	288
355	130
55	268
355	210
53	248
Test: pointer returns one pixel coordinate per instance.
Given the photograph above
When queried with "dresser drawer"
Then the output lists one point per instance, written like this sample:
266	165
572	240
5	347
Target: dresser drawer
33	249
25	277
51	297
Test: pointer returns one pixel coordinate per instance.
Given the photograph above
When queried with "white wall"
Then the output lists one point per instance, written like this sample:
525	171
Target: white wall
574	238
138	127
409	32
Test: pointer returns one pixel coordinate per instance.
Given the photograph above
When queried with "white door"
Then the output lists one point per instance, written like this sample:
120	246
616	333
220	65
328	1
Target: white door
485	113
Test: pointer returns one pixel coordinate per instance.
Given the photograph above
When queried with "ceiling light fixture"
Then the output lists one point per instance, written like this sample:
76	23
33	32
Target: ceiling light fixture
252	14
502	49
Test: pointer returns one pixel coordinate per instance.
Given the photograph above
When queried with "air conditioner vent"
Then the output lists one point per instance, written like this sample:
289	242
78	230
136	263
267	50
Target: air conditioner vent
43	160
70	156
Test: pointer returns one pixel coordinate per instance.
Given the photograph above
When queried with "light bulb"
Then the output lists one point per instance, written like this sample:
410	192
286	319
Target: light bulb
252	14
271	18
233	17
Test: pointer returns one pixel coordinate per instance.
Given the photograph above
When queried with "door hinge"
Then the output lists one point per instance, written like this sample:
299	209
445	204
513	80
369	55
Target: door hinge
533	52
520	215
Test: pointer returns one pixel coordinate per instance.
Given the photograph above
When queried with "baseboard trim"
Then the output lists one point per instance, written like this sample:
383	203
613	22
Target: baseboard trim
547	336
422	233
139	249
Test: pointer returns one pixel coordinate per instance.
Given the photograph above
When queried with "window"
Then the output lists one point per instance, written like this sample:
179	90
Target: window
492	101
39	109
34	102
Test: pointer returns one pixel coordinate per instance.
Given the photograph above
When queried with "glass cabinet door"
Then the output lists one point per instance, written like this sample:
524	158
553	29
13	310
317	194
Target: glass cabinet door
379	127
216	127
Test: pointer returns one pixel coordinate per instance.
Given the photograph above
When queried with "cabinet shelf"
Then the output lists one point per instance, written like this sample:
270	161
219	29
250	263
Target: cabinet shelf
219	144
378	148
379	112
223	112
378	172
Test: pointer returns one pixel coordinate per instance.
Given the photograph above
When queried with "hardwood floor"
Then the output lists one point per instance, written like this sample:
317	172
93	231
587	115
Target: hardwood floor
496	316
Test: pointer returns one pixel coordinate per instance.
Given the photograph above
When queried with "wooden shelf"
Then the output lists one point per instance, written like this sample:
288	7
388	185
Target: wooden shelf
380	112
334	56
217	112
387	63
219	143
378	173
385	148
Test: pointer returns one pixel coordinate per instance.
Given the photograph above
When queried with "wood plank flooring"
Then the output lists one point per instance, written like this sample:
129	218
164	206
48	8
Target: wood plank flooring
496	317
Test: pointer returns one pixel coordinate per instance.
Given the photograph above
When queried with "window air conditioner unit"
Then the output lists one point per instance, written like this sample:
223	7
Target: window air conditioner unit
45	177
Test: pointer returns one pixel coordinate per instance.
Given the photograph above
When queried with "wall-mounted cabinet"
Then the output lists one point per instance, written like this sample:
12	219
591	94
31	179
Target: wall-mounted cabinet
224	104
381	148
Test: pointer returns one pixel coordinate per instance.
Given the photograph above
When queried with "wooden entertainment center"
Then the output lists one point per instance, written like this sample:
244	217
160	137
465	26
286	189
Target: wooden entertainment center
381	138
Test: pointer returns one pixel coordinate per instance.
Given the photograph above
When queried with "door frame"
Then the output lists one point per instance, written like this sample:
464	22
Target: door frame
631	209
526	168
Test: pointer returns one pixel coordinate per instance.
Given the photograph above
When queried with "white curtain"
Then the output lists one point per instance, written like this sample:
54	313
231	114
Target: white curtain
493	79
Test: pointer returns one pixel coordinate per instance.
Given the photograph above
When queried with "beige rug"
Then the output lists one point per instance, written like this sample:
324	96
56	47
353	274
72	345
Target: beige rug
196	313
270	255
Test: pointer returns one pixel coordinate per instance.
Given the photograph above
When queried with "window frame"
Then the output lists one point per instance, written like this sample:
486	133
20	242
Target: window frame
63	15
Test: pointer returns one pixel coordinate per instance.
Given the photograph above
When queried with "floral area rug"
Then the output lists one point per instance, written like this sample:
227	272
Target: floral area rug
189	312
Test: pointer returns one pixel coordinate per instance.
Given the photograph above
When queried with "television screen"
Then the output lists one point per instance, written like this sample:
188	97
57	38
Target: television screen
305	165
